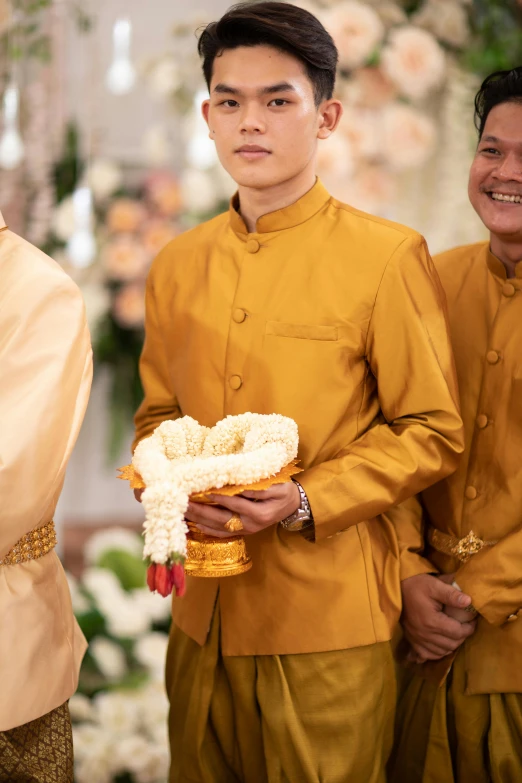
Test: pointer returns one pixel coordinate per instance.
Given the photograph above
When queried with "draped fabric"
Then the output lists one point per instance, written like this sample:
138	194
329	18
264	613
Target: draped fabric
313	718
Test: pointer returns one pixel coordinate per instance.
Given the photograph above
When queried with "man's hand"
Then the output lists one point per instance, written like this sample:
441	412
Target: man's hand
462	615
256	510
430	632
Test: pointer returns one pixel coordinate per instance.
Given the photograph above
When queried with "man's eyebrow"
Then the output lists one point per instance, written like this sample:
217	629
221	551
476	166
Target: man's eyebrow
222	88
490	138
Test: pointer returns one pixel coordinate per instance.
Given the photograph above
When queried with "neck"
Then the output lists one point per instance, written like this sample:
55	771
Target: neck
509	252
256	202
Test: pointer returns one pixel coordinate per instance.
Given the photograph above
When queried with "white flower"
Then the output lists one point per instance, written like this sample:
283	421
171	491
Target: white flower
157	608
165	77
151	652
80	708
80	603
109	657
156	145
103	585
357	31
408	136
104	178
125	619
154	708
113	538
118	712
94	754
334	157
414	61
198	190
139	756
362	129
181	457
64	221
372	189
446	19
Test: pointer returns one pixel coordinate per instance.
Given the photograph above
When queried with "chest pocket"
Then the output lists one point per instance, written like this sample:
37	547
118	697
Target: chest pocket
302	331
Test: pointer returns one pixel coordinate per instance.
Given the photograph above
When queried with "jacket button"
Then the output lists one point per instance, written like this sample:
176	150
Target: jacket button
235	382
252	246
492	357
482	421
238	316
471	493
508	289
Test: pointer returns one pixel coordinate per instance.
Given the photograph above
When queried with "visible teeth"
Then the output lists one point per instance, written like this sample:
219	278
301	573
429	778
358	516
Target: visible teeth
503	197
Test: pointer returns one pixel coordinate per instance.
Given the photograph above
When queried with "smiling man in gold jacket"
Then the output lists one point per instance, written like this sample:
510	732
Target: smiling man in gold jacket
45	377
294	303
469	730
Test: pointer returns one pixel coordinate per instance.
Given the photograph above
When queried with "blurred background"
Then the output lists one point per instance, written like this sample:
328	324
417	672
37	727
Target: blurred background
104	158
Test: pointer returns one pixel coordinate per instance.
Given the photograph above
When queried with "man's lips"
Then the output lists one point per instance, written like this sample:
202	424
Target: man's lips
252	152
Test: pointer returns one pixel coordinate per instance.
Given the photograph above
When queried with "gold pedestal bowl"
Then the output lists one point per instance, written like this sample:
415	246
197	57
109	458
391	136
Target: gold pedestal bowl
215	557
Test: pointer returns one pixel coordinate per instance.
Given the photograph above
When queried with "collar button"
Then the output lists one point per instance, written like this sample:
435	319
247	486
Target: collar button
508	289
252	246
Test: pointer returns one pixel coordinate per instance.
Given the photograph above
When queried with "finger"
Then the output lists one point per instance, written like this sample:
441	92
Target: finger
446	594
237	504
450	628
199	512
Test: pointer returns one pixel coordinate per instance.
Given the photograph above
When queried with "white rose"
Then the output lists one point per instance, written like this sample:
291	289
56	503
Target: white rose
118	712
104	178
198	190
446	19
110	539
357	31
103	585
157	608
80	708
109	658
124	619
80	603
414	61
408	136
151	652
335	157
154	709
165	77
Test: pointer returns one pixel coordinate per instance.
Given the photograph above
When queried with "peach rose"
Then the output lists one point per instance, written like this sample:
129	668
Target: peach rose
370	88
156	234
372	189
357	31
164	192
362	128
125	216
124	258
408	136
414	61
128	307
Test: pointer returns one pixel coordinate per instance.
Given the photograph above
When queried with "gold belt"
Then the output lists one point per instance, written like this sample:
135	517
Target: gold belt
33	545
461	548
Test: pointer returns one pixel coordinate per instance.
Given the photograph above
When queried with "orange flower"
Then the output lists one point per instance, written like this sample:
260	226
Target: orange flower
156	234
129	306
125	259
165	194
125	216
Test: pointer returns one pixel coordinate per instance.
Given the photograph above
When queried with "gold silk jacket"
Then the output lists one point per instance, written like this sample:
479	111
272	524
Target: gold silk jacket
336	319
484	495
45	377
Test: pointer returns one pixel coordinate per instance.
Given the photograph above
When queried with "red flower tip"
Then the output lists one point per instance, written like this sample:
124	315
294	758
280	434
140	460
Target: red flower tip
179	579
164	581
151	577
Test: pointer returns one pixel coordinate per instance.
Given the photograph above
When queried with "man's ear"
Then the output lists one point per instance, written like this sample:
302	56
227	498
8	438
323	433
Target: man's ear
205	108
330	113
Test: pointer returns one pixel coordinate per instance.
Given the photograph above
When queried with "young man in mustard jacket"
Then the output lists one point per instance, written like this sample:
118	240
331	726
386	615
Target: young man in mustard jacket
45	378
469	728
294	303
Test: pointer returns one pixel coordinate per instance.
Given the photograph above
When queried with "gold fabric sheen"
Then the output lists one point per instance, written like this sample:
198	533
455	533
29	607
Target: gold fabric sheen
484	495
461	548
345	332
445	735
45	376
40	751
306	718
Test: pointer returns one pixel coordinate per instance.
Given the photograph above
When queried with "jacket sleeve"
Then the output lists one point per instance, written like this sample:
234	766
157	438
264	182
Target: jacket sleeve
408	520
493	579
45	378
159	402
418	437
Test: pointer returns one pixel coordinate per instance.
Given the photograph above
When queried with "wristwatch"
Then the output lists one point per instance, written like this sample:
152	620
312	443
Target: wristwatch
302	518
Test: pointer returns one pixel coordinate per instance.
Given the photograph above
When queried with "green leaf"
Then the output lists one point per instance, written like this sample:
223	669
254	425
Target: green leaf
130	570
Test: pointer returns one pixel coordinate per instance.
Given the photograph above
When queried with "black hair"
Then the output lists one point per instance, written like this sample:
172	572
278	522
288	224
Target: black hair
285	27
498	87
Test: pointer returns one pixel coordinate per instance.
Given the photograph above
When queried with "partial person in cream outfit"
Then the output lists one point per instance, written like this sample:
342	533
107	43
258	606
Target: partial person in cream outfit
45	378
292	302
460	716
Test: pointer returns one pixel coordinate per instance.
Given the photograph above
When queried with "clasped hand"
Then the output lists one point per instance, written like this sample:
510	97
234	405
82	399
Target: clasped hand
434	616
257	510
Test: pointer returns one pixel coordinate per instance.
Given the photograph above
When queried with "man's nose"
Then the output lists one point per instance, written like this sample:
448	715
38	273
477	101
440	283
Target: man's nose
510	168
252	120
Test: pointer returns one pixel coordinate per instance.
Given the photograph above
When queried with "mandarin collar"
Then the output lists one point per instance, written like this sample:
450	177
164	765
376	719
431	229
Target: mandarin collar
288	217
496	266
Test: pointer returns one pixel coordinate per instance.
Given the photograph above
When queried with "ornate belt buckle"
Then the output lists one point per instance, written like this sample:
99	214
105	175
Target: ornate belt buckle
468	546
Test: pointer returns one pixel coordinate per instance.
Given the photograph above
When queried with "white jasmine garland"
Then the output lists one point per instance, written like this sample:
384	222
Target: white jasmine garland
183	457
